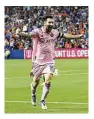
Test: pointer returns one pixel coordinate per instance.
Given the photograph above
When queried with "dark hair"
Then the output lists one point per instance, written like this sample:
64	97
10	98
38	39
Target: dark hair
46	17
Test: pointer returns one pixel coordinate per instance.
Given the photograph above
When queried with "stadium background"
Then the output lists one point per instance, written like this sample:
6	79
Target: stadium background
70	19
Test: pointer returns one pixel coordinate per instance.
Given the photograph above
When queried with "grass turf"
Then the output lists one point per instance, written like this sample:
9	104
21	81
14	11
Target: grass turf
69	89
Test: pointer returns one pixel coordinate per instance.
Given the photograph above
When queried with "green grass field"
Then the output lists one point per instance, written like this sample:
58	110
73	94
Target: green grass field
68	94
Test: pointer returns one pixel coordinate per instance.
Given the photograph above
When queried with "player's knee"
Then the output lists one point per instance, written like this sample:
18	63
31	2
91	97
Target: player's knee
51	76
48	85
48	76
48	82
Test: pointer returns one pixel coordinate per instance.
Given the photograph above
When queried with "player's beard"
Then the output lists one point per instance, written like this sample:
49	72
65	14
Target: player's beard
50	28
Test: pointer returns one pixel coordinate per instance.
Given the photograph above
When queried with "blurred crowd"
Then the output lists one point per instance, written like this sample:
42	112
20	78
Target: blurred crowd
68	19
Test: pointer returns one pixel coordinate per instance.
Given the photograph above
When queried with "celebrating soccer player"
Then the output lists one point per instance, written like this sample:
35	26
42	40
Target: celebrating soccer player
44	39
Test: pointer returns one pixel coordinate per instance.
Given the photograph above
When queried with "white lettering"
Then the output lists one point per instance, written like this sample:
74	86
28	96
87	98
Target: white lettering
68	53
60	53
86	53
82	53
73	53
64	53
78	53
28	53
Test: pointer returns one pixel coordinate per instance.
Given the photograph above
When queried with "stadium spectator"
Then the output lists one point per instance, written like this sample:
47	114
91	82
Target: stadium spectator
72	19
7	54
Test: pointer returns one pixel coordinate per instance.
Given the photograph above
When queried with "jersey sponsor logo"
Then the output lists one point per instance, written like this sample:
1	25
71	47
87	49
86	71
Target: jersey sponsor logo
45	38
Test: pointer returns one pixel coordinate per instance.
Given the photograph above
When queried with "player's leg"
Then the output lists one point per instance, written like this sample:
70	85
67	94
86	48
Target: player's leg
56	70
34	85
35	82
46	87
43	77
31	73
37	69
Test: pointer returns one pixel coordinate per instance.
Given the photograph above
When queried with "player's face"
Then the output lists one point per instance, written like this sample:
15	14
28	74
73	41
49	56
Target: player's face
49	23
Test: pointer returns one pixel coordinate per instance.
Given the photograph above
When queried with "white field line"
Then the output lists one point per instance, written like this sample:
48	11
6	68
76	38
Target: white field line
17	78
74	70
56	75
74	103
73	74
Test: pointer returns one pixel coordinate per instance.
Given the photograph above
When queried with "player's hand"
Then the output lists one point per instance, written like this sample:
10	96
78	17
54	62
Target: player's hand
18	32
56	72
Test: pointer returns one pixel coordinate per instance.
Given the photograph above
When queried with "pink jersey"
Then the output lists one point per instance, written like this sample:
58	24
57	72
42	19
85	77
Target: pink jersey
43	45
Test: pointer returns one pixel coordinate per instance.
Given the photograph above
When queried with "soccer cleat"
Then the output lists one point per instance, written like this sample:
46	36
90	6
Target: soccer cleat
34	100
43	105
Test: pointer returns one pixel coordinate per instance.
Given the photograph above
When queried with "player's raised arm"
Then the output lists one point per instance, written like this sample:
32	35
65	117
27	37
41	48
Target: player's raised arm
67	35
24	34
28	34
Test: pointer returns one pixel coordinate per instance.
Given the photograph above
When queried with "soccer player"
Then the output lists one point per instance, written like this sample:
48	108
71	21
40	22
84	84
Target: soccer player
44	39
